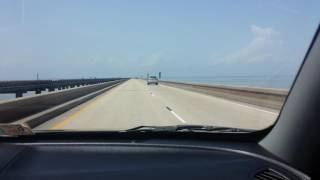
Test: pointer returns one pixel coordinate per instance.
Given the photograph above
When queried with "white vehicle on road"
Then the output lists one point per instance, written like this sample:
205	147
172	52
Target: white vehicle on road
152	80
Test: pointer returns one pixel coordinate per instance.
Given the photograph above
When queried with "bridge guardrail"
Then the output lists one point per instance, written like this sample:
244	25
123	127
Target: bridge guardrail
23	86
46	115
264	97
16	109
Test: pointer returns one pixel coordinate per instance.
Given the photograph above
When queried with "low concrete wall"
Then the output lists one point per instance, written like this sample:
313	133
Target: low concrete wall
264	97
46	115
13	110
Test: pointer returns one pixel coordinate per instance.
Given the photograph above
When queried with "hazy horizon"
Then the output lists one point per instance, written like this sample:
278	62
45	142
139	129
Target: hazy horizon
83	39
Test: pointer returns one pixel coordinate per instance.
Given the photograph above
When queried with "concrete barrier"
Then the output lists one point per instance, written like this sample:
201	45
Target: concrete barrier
264	97
16	109
23	86
46	115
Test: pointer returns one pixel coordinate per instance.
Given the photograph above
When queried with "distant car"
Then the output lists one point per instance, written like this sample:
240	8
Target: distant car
152	80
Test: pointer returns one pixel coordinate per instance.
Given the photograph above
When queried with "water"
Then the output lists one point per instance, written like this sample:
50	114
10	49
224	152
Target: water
281	82
4	97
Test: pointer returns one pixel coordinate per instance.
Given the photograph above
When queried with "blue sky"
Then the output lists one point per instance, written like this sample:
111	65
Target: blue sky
102	38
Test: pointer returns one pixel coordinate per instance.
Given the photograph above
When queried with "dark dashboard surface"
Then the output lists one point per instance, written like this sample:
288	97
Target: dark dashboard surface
132	160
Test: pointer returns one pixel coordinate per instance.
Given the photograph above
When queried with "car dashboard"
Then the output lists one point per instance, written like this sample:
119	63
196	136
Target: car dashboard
142	159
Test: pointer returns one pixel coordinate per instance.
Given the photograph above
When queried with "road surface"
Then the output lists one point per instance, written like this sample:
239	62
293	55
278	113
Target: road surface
134	103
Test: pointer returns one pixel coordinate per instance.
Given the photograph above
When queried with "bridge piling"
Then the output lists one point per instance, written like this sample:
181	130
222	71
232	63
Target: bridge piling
19	94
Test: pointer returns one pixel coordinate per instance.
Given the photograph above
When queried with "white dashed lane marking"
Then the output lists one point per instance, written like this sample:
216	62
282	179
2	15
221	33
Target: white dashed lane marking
176	115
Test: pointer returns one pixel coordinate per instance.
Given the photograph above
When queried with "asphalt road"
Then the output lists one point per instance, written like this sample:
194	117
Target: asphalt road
134	103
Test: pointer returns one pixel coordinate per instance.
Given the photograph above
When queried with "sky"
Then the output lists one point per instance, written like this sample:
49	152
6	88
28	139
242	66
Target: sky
63	39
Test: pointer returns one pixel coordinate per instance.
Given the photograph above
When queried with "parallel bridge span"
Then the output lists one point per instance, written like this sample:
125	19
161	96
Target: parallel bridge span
20	87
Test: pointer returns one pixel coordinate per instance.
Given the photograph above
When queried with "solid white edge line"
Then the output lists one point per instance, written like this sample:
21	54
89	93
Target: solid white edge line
250	107
229	101
178	117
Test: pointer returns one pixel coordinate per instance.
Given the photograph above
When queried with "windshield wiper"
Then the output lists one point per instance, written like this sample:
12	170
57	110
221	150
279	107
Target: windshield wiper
188	128
14	130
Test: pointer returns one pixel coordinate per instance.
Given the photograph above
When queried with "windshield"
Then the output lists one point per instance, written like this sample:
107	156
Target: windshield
86	64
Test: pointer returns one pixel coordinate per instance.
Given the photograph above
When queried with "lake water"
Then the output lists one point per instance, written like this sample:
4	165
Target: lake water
4	97
282	82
